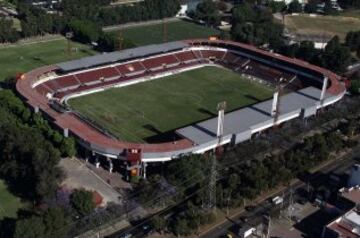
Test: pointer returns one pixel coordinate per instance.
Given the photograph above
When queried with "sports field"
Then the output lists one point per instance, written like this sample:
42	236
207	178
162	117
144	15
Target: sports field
9	204
176	30
320	25
142	111
22	58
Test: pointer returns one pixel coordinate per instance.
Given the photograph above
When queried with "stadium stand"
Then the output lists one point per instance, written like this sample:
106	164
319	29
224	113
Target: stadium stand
142	63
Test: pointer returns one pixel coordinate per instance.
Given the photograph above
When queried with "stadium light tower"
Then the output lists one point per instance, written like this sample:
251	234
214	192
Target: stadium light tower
323	91
275	110
220	127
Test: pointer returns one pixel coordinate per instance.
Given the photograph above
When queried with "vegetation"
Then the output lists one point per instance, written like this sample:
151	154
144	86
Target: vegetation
22	58
206	11
176	30
189	97
9	204
255	25
320	25
244	175
84	17
83	202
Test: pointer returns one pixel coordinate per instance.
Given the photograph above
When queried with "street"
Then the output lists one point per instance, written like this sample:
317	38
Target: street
232	223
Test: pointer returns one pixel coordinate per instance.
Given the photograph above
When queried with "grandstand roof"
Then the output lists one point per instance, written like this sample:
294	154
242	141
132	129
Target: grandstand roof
250	117
108	58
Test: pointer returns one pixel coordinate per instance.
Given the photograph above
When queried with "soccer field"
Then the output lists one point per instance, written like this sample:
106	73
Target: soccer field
22	58
9	204
176	30
143	111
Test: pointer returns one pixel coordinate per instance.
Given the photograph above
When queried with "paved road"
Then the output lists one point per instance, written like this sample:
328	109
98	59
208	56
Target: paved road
264	207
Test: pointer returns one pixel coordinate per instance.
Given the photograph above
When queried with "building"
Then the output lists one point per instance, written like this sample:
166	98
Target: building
348	224
287	2
354	179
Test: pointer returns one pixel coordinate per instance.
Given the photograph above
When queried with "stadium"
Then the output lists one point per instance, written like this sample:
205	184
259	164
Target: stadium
115	103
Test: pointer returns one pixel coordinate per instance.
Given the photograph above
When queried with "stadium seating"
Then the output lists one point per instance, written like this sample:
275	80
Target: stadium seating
212	54
67	81
153	63
131	68
93	75
186	56
113	75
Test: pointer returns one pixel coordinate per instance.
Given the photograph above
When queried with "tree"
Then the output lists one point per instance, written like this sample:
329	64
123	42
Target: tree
355	87
294	7
159	223
207	11
56	222
85	31
352	40
277	6
68	147
336	56
82	202
32	227
311	6
7	32
181	227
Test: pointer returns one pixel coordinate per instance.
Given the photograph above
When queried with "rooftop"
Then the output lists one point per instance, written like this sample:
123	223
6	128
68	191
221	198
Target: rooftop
108	58
243	120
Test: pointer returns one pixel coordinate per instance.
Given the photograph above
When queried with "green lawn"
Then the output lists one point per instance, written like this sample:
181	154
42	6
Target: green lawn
320	25
147	109
9	204
22	58
177	30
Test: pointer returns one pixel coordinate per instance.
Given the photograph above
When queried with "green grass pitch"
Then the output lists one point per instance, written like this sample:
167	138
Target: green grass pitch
9	204
22	58
176	30
141	111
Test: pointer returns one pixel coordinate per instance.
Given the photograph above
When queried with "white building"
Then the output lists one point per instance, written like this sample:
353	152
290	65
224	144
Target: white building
287	2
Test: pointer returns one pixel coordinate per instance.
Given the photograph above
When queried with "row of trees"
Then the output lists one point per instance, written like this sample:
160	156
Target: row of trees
335	56
54	221
7	31
28	160
243	174
84	17
352	40
255	25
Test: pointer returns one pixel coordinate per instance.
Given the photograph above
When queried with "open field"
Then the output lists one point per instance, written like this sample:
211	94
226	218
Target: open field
22	58
142	111
176	30
320	25
9	204
351	13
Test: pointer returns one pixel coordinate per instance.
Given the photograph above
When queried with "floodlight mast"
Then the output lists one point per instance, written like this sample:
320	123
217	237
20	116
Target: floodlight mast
275	111
221	115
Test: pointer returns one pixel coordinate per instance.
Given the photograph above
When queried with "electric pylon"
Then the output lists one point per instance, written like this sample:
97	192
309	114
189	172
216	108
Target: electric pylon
213	173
